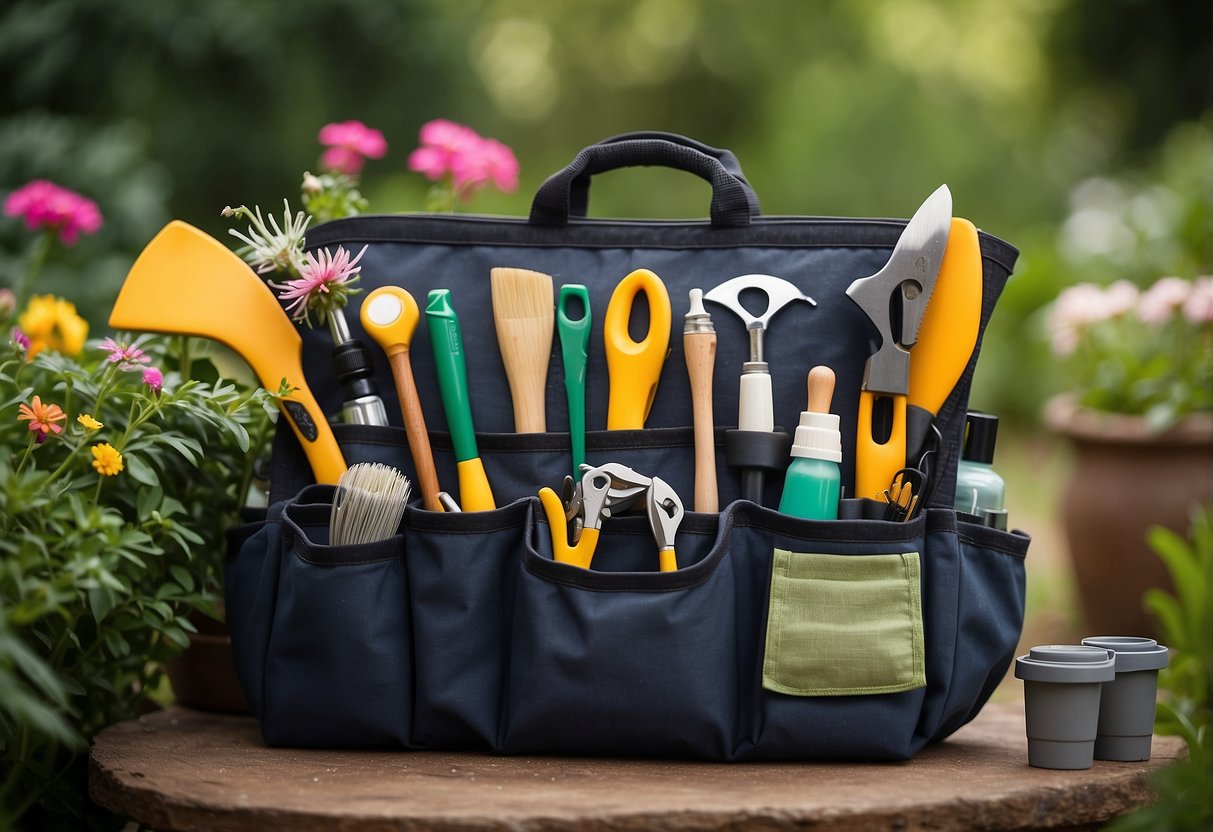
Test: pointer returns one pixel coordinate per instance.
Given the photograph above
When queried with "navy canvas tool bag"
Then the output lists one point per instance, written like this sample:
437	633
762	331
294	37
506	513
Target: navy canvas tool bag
776	637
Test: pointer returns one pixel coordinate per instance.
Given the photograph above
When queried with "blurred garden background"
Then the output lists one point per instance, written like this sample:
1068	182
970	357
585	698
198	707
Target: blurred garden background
1081	132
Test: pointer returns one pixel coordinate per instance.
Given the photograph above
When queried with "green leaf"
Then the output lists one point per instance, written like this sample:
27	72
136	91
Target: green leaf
182	576
101	601
140	471
191	449
177	636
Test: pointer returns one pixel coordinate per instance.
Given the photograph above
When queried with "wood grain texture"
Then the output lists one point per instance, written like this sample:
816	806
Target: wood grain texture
185	770
524	312
700	351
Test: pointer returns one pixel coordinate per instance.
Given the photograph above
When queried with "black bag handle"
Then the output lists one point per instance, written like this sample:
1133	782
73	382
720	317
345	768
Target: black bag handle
566	193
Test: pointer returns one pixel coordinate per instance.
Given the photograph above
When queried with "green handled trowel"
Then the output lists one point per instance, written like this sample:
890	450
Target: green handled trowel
188	283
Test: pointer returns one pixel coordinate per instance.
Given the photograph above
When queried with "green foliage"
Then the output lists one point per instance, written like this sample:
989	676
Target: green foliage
1185	789
99	573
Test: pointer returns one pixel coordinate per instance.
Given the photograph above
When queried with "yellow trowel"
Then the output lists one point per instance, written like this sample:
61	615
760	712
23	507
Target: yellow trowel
188	283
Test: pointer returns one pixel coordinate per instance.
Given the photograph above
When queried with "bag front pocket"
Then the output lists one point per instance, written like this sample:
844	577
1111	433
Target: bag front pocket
844	624
626	662
339	664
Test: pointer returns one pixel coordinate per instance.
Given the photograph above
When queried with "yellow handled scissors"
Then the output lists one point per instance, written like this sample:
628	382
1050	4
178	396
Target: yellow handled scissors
634	367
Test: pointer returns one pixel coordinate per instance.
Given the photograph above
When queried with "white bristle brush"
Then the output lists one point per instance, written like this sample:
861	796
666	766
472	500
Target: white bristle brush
368	504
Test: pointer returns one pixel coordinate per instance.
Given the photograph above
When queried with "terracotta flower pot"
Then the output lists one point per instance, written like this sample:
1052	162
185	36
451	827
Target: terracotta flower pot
1125	480
204	676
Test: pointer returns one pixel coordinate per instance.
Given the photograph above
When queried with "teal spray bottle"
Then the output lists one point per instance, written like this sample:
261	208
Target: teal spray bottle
980	491
813	482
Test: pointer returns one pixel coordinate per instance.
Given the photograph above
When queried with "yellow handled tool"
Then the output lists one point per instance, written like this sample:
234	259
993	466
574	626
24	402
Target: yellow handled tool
188	283
947	337
595	488
634	367
907	279
390	315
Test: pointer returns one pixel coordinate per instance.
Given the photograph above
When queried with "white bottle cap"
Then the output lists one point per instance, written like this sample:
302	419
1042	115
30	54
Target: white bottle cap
818	437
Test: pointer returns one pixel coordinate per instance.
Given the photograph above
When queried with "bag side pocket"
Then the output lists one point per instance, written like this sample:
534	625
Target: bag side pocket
990	611
844	624
339	666
250	594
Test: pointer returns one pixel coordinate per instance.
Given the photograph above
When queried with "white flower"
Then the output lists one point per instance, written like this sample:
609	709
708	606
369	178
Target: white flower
1121	297
272	248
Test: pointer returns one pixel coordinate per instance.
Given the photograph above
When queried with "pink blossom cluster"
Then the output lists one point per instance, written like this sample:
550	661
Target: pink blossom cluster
450	149
348	144
44	204
1085	304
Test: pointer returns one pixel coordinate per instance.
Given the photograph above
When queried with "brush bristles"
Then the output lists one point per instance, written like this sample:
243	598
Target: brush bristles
368	504
521	293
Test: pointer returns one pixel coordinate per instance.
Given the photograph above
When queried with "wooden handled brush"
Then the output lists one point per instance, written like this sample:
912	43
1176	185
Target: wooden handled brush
524	314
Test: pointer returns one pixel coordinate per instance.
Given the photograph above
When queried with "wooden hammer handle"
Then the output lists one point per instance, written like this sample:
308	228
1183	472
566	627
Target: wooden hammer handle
415	430
700	350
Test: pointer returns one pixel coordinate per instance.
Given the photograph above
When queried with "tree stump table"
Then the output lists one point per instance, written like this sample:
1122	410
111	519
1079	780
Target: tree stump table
180	769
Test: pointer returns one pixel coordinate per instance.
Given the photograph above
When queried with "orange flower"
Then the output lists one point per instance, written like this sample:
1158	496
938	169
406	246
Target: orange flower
43	418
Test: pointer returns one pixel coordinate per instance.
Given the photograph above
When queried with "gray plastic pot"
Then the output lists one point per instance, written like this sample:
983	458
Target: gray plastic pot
1126	706
1062	687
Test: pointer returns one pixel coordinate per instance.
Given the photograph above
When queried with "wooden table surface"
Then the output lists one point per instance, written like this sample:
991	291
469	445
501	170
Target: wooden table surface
180	769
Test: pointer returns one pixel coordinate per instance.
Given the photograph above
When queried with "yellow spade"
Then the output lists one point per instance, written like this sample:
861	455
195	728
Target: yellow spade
188	283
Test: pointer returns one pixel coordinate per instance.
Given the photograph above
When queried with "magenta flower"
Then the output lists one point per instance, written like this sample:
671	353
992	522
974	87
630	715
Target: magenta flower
450	149
349	144
44	204
490	160
323	284
21	340
154	379
126	357
442	143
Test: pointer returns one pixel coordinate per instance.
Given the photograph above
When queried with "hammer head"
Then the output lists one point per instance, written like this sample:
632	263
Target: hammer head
779	294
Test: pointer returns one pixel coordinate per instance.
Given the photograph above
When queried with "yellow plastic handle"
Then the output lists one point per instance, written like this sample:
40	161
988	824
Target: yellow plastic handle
876	463
669	560
186	282
389	315
581	554
634	367
474	491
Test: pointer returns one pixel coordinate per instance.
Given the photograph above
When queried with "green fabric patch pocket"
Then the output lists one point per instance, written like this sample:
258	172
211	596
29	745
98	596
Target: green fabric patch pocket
844	625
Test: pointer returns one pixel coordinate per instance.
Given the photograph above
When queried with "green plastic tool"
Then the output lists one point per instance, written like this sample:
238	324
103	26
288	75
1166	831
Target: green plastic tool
574	346
446	338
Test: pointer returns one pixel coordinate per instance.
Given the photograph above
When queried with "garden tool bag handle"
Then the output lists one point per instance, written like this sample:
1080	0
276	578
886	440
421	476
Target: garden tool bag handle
566	193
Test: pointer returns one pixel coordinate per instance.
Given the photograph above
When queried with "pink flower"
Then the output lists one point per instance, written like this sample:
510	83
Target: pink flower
490	160
21	339
318	276
8	302
471	161
126	357
154	379
43	204
1160	301
1198	308
442	143
349	144
1076	308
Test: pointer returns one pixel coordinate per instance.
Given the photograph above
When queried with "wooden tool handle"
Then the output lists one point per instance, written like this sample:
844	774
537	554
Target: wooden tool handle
821	389
700	350
415	430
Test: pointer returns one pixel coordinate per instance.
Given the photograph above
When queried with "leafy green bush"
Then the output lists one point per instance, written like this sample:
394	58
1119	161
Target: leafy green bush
110	536
1185	790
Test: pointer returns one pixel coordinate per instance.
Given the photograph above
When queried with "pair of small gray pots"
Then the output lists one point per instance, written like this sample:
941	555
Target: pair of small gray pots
1093	701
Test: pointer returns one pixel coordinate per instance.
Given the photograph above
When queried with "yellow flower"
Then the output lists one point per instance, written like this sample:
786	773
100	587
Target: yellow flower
89	422
52	323
106	459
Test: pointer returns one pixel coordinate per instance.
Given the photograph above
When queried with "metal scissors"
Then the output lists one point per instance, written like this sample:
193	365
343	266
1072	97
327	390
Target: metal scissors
634	367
